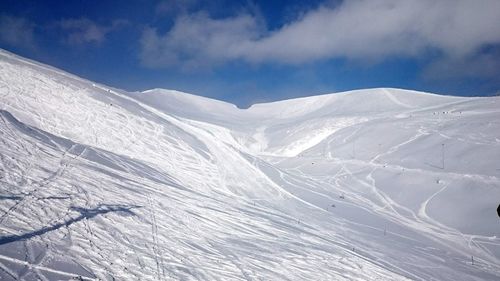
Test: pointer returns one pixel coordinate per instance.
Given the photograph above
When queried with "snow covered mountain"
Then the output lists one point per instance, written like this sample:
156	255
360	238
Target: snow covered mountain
381	184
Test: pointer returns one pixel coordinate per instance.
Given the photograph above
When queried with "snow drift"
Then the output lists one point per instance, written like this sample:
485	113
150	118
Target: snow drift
379	184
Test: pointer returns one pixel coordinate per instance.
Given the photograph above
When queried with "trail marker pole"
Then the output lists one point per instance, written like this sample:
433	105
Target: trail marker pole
442	155
354	149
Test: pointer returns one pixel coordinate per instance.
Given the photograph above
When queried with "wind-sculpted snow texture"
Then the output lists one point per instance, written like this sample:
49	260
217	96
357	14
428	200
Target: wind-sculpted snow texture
383	184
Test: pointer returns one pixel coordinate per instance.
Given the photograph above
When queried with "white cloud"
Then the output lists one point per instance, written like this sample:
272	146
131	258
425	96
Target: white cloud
83	30
355	29
16	31
197	39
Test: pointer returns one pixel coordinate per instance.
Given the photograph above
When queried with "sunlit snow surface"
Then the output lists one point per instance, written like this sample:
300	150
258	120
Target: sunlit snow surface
378	184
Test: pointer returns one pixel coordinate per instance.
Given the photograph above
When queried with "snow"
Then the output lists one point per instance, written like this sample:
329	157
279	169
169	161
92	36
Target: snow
105	184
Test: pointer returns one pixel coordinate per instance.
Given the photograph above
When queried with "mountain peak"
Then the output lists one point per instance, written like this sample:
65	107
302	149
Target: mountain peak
375	184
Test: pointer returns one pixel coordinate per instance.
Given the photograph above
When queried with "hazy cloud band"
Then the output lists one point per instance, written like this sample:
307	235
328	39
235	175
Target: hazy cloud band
355	29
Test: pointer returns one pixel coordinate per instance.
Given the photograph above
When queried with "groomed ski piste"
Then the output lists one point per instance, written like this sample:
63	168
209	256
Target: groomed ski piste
97	183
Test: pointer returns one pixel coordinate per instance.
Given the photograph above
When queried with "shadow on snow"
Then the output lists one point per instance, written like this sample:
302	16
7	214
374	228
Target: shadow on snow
84	214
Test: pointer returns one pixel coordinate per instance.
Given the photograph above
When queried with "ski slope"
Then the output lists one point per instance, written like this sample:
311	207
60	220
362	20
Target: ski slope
381	184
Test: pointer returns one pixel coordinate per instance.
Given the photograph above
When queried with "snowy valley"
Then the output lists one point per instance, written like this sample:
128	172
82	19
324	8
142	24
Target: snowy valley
379	184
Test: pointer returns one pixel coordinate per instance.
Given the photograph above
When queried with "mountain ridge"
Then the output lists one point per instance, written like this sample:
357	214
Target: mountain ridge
102	183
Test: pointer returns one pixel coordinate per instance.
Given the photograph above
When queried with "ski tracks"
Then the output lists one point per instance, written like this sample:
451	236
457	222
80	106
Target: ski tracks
157	253
36	186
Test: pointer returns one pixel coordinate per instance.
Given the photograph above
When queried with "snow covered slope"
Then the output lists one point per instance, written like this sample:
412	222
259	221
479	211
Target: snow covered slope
380	184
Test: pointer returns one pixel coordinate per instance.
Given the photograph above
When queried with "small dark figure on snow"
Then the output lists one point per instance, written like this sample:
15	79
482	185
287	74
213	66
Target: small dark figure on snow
498	210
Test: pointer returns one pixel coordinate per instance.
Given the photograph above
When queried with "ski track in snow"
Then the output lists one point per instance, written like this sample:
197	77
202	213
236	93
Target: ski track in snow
98	185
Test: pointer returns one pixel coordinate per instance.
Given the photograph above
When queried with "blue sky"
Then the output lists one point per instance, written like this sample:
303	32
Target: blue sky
255	51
